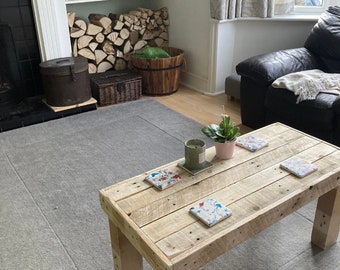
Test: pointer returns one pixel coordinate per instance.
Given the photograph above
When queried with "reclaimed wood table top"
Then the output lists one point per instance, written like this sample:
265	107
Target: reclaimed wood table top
252	184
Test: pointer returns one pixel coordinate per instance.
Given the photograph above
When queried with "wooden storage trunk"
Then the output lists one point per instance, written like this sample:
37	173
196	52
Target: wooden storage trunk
112	87
66	81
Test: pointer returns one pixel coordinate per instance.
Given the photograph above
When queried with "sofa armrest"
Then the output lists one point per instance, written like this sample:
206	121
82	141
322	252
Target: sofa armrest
336	109
266	68
336	106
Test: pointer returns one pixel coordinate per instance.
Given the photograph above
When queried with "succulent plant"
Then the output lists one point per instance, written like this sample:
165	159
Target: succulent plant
225	131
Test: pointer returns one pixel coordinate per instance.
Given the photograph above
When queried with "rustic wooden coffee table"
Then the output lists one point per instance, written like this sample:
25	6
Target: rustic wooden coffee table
157	225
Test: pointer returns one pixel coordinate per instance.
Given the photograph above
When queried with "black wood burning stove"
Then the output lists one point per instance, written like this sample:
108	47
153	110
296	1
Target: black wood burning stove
21	90
10	77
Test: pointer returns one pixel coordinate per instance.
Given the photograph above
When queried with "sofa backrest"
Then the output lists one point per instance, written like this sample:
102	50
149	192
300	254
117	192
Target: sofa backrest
324	40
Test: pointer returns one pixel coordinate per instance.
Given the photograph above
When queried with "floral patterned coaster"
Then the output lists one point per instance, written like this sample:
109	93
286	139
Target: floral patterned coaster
298	166
210	211
163	179
252	143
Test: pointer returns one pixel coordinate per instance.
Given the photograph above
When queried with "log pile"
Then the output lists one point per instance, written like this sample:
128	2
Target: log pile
108	41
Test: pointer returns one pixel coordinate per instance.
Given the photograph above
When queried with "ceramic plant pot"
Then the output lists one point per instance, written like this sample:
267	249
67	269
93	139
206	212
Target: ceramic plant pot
225	150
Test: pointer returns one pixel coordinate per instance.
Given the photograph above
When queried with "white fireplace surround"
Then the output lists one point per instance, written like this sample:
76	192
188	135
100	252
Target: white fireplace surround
52	28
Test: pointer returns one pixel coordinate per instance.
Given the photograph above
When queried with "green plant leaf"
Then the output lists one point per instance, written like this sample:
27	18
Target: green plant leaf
225	131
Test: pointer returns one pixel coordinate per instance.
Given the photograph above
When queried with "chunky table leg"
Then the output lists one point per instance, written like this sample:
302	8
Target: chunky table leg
327	219
125	256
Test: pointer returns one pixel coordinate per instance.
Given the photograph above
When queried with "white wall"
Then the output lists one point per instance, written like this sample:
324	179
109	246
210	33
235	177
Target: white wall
212	49
238	40
190	31
110	6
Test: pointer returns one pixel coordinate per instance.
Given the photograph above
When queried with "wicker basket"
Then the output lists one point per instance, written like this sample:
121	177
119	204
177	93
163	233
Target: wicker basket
160	76
112	87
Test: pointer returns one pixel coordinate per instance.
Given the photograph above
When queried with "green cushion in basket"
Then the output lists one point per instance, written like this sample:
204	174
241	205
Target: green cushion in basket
152	53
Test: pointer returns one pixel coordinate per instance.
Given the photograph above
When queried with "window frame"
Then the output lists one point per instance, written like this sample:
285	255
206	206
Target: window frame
315	9
81	1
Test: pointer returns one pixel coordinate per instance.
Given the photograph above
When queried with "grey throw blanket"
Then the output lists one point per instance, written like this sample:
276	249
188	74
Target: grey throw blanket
309	83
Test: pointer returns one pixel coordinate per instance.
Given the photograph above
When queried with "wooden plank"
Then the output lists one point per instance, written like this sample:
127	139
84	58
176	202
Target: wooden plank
244	197
179	219
251	184
143	211
203	251
63	108
125	256
137	238
135	185
287	186
327	219
146	196
203	108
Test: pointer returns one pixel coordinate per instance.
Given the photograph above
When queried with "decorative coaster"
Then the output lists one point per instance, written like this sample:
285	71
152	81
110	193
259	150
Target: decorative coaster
163	179
210	211
206	166
298	166
252	143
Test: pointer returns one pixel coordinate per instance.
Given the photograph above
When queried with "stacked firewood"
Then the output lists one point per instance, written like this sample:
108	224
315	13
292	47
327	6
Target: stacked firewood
108	41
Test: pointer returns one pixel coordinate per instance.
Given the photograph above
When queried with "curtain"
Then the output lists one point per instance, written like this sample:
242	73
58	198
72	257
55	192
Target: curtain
257	8
230	9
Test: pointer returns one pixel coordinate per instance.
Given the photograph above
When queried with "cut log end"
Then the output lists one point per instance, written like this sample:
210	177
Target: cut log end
109	41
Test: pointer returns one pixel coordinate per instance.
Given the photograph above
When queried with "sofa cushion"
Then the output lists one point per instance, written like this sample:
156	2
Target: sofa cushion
317	114
324	39
266	68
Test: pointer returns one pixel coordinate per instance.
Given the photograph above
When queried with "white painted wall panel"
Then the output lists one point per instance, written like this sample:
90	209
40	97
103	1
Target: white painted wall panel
212	49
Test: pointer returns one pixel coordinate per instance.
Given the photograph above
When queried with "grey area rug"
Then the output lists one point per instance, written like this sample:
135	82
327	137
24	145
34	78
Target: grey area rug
50	175
50	216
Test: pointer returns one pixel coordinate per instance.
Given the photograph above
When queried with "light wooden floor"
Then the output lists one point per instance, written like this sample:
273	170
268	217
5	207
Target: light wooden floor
203	108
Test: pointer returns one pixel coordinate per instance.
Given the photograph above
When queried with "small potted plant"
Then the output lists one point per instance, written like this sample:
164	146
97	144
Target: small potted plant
224	135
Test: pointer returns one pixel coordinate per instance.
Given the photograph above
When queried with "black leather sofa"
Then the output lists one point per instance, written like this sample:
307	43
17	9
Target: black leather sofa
262	104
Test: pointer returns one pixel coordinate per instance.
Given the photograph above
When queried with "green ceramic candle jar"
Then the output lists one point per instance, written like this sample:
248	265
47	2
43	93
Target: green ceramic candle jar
194	154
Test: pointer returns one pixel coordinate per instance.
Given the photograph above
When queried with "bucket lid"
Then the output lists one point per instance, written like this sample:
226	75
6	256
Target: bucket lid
61	66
